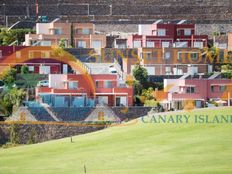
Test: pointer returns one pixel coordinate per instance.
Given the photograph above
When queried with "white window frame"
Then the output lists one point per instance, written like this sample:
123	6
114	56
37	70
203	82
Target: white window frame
137	44
198	44
161	32
73	85
187	32
81	44
58	29
84	31
31	68
165	44
106	85
150	44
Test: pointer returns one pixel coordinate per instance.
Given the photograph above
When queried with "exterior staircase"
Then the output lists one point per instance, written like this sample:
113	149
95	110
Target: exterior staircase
214	75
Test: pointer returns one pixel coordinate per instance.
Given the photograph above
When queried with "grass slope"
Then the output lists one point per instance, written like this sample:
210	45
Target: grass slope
137	149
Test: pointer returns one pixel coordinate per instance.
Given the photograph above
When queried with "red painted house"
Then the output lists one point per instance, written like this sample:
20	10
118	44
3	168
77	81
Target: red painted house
39	59
159	35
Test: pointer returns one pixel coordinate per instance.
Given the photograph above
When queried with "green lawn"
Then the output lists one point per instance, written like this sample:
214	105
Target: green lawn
135	149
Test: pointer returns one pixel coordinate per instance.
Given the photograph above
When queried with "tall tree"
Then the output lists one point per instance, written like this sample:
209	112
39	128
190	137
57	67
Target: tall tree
140	74
13	99
9	76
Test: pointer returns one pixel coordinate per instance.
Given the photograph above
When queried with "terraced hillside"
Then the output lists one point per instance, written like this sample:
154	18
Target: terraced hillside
119	11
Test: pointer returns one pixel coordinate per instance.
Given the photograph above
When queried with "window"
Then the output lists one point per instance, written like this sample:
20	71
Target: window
187	32
137	44
78	31
181	44
108	84
31	68
222	88
18	54
161	32
212	88
122	46
165	44
198	44
57	31
73	85
168	70
121	101
167	55
85	31
178	32
81	44
150	70
97	84
190	90
0	54
96	44
150	44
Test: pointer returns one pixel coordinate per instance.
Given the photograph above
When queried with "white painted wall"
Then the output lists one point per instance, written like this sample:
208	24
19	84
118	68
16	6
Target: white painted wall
145	29
57	81
172	85
42	28
44	69
150	70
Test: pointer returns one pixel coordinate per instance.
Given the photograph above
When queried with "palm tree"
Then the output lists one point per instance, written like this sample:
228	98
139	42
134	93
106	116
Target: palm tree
28	82
3	109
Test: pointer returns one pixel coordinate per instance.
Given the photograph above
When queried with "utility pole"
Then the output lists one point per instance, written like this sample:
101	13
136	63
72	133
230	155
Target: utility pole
37	9
4	11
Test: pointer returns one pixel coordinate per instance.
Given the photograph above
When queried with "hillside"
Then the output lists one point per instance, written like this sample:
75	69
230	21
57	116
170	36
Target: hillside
118	11
131	149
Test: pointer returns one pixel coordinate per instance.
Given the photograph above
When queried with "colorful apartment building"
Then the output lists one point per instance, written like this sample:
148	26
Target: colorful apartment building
78	35
174	61
198	89
160	35
71	90
39	59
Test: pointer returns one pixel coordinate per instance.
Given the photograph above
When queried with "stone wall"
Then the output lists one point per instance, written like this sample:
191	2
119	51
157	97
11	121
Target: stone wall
56	130
120	11
43	132
209	29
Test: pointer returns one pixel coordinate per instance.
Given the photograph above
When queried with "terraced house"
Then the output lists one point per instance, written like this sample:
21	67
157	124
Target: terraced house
103	86
78	35
201	90
167	35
